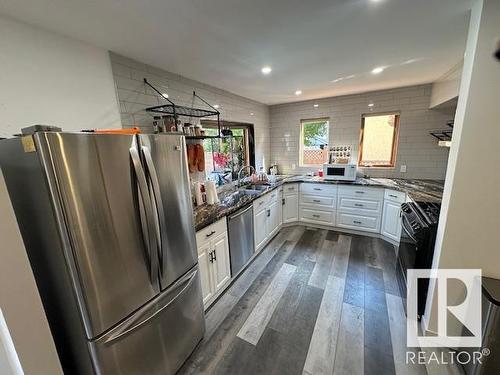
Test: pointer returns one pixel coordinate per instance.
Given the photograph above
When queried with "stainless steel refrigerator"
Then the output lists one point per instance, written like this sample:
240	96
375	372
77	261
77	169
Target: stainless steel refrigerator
108	226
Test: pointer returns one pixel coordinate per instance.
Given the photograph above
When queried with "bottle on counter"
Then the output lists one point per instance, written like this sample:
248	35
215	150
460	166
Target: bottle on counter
156	124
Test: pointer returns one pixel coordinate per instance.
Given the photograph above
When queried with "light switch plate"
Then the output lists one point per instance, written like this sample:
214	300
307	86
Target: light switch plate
402	169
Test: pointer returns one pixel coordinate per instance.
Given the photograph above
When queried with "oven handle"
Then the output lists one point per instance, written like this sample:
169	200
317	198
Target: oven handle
405	228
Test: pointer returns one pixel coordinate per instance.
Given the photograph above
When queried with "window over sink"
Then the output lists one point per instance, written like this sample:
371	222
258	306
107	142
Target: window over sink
314	141
379	140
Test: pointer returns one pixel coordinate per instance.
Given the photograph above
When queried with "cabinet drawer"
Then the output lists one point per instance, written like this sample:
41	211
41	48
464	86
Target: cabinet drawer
318	189
372	206
261	203
273	196
210	232
317	216
348	220
290	188
395	196
361	192
317	200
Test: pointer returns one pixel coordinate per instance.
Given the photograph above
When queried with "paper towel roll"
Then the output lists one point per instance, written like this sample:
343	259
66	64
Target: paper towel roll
211	191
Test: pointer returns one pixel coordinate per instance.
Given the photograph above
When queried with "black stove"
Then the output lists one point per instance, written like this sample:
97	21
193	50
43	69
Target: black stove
419	221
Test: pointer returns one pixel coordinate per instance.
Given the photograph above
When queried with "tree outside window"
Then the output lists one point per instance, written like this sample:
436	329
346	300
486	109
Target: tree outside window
314	141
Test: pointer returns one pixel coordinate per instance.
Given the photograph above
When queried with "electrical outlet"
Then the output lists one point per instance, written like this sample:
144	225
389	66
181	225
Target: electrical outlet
402	169
294	166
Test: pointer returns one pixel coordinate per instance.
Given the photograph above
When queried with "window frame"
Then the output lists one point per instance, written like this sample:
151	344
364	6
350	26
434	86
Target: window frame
301	139
395	141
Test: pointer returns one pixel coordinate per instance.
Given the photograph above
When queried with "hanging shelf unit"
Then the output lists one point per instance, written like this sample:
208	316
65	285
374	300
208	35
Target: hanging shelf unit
445	134
172	109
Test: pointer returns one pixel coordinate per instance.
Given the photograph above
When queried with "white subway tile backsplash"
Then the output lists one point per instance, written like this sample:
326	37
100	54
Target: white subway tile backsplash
417	149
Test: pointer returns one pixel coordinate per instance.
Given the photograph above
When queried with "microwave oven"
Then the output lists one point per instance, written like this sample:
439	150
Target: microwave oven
341	172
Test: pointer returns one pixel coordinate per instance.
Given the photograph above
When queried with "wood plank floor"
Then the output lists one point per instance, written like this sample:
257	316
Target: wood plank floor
313	302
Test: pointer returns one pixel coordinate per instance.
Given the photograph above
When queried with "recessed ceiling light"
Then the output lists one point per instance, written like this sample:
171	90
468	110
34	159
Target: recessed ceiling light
370	104
266	69
251	113
316	105
216	106
378	70
298	92
165	95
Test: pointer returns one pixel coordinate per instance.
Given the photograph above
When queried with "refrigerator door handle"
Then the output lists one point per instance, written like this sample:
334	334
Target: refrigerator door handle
150	236
141	317
160	218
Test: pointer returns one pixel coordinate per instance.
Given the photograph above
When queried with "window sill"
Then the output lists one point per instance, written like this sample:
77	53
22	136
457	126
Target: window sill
376	167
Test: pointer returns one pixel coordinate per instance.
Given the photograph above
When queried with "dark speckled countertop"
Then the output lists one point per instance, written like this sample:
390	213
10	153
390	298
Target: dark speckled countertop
231	201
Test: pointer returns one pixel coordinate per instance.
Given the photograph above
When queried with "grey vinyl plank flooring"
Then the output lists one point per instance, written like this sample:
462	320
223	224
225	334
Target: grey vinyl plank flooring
397	323
254	326
298	335
209	352
349	359
341	251
354	292
323	345
319	276
336	311
291	299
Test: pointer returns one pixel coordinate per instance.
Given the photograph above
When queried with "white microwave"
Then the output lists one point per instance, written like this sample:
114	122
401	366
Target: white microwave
341	172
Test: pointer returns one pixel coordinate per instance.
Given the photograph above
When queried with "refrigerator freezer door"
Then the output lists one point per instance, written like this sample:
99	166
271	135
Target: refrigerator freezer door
166	163
159	337
95	179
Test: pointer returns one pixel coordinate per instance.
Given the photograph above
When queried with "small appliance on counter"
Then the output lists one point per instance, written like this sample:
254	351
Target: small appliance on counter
340	172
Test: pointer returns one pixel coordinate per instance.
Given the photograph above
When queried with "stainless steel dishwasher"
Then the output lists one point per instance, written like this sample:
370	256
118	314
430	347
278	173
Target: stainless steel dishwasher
241	242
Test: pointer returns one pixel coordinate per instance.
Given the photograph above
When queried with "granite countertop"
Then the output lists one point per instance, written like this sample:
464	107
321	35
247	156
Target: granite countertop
231	201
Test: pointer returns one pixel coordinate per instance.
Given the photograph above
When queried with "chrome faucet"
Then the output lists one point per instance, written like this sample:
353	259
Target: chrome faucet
241	169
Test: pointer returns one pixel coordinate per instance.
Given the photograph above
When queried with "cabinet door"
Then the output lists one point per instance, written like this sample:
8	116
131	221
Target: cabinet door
207	288
221	264
291	208
274	217
391	220
260	227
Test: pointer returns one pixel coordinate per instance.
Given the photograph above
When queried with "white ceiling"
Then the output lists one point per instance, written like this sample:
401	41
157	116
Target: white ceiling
308	43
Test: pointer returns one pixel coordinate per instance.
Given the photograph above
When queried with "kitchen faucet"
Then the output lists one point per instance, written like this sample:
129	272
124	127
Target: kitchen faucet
241	169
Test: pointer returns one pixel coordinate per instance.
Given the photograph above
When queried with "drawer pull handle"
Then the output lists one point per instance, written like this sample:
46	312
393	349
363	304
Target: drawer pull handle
210	234
359	192
316	216
359	205
283	201
291	188
261	203
318	189
392	195
357	222
316	200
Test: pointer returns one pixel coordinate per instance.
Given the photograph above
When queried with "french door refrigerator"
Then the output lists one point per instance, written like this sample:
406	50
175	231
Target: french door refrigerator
108	226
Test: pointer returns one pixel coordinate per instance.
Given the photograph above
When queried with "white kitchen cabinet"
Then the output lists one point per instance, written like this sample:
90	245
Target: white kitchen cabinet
221	263
267	218
260	227
290	203
213	260
318	203
391	218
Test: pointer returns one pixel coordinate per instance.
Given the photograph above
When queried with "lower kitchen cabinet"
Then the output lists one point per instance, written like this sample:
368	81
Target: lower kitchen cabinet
213	260
290	204
391	218
267	218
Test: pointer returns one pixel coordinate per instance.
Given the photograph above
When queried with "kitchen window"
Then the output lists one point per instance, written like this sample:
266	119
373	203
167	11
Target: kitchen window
379	140
225	156
314	141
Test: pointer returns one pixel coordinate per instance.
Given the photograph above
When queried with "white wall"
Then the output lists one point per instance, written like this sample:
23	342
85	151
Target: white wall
20	302
468	233
134	96
50	79
417	149
447	87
